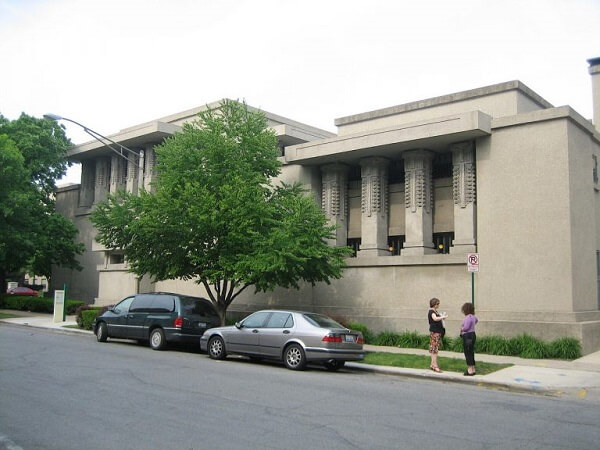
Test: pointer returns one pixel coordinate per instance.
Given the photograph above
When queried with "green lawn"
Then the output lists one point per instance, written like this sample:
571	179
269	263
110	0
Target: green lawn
424	362
8	316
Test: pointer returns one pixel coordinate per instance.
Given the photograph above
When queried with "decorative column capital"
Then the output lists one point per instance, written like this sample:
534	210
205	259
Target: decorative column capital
463	173
334	194
374	174
418	183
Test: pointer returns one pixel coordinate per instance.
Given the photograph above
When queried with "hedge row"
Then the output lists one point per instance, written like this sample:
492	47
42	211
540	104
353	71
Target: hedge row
36	304
524	346
86	315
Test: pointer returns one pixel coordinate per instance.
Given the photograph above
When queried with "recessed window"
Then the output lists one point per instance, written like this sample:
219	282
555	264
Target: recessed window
442	165
396	243
117	258
443	241
354	244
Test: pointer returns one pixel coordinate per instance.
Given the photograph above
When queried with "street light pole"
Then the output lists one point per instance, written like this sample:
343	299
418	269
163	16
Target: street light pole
119	149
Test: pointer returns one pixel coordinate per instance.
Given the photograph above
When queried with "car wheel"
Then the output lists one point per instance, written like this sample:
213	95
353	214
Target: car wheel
101	332
334	364
157	339
216	348
294	358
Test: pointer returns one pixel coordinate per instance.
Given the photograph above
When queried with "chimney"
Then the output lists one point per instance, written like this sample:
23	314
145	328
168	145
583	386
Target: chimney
594	70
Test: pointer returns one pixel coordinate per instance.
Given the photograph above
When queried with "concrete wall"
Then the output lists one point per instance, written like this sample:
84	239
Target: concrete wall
583	218
81	285
507	99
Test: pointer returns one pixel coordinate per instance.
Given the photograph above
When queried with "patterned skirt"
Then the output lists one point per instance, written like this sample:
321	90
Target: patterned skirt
435	342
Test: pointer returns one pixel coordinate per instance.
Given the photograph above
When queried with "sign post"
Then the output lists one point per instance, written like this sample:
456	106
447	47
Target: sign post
59	306
473	266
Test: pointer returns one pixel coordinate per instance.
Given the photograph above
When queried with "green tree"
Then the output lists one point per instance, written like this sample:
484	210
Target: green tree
216	217
33	236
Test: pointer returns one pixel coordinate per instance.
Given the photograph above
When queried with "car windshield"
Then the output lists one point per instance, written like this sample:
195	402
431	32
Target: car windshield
319	320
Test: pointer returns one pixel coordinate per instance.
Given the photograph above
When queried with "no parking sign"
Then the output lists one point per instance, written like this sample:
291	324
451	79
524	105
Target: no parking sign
473	262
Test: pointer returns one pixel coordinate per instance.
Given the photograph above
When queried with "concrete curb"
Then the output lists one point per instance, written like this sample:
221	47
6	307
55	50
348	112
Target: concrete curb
451	377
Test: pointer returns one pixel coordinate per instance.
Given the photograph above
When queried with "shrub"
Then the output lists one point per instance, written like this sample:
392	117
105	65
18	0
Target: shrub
456	345
410	339
367	334
87	318
387	338
564	348
36	304
85	315
494	345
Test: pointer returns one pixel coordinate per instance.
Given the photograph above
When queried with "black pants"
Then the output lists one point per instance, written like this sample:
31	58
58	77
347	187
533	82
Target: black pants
469	347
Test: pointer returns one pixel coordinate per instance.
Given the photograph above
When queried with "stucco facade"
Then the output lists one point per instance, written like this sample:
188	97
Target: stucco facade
414	188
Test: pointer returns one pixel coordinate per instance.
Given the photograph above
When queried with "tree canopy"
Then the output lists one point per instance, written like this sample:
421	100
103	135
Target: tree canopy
33	236
216	217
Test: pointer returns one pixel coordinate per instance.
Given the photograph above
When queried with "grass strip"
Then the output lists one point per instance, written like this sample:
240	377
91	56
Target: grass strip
8	316
424	362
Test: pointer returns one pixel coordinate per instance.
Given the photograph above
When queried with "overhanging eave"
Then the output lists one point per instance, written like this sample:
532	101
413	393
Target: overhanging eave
434	134
134	138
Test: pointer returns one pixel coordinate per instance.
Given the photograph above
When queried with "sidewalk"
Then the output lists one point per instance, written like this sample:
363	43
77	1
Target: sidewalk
578	379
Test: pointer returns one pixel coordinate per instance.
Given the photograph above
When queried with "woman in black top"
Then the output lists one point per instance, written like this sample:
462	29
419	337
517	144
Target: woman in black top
436	331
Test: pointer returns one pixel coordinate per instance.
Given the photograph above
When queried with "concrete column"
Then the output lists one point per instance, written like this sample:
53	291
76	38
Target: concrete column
334	200
594	71
131	185
88	181
102	180
149	167
374	207
118	173
418	202
464	193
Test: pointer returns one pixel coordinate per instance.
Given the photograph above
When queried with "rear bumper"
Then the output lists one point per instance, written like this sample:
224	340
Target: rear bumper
175	335
324	354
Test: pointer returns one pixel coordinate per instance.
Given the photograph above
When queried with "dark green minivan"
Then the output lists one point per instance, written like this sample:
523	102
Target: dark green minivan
157	317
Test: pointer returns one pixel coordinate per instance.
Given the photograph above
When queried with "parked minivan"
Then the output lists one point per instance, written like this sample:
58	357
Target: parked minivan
157	317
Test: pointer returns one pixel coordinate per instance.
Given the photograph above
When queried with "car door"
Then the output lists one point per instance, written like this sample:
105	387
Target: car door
139	310
245	338
117	321
276	333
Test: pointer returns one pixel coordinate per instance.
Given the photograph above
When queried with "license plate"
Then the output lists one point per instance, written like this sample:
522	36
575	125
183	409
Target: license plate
202	324
348	338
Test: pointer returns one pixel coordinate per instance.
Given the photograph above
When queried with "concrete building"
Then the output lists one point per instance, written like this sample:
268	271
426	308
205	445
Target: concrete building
413	189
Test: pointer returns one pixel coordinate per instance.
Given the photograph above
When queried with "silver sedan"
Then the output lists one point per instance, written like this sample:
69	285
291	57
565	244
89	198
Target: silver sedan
294	337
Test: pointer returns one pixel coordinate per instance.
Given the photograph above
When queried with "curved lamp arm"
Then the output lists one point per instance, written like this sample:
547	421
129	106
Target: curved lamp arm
119	149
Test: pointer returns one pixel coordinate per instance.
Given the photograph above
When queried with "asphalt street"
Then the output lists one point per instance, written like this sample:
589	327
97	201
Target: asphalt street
66	391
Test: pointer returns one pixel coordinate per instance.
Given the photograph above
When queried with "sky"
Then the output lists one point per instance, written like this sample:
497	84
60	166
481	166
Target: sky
112	64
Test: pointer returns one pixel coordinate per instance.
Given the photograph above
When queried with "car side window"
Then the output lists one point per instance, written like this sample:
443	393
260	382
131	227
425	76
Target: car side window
142	303
256	320
123	306
163	303
280	320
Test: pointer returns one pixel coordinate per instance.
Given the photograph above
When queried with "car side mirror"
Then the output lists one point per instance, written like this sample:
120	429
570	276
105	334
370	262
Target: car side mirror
238	325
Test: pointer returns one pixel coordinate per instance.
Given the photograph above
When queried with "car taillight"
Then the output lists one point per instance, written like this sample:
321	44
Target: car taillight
178	322
332	338
360	340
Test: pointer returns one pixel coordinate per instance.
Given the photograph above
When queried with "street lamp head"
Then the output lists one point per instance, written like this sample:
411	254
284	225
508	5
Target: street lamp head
52	116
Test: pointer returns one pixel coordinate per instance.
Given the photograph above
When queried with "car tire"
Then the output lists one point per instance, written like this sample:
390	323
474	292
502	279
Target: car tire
157	339
334	364
294	357
216	348
101	332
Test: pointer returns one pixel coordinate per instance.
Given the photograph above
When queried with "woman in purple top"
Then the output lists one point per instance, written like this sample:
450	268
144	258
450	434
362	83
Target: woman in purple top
467	332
